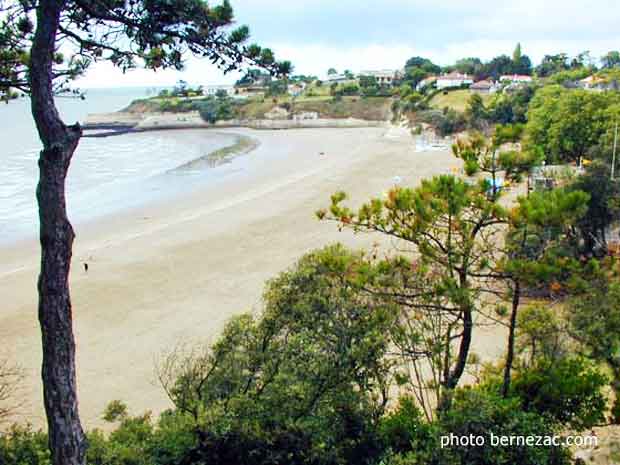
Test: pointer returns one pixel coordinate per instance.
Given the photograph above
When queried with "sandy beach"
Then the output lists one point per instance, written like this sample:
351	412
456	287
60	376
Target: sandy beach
175	272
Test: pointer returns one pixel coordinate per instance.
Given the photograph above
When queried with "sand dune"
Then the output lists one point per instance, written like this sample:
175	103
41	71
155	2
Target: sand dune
175	272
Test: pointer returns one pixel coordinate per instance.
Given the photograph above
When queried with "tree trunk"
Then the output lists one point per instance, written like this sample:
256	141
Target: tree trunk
461	361
452	381
67	441
510	355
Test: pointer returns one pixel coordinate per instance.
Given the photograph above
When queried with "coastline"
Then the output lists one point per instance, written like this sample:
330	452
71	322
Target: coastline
175	271
126	122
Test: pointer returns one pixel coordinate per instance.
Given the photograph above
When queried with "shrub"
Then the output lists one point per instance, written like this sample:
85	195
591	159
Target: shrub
212	110
309	369
566	391
23	446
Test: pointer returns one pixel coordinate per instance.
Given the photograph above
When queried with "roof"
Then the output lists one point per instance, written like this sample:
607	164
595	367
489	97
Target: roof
592	79
380	72
515	77
454	76
482	85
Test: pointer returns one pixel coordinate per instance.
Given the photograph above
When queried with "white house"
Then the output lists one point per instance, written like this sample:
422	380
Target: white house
384	76
212	90
425	83
484	87
520	78
296	88
595	83
336	78
453	79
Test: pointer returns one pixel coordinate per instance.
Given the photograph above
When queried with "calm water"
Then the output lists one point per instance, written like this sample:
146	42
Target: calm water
106	174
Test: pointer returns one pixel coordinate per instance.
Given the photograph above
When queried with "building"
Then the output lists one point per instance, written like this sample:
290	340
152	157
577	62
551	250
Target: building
519	78
296	88
384	77
212	90
484	87
453	79
336	78
426	82
595	83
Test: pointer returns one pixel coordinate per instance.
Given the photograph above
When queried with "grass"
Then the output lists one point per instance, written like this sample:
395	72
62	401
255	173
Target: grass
455	99
371	108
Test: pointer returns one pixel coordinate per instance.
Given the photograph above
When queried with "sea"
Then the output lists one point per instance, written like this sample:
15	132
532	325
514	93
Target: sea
107	174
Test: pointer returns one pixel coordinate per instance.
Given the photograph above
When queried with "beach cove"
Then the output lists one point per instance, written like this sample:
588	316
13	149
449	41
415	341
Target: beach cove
175	270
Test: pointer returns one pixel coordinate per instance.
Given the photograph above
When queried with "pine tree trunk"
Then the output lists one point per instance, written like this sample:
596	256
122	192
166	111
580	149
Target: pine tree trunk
66	437
510	354
67	441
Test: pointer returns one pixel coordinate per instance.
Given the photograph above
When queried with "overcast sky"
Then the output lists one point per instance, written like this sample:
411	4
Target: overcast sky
345	34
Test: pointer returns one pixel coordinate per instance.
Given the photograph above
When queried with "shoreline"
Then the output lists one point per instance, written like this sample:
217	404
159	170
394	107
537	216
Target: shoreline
125	122
177	270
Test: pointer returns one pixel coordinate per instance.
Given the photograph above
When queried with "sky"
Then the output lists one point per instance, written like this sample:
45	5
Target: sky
361	35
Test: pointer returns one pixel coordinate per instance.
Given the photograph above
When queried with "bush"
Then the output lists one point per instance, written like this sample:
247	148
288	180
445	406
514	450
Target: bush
23	446
479	413
567	392
309	369
444	122
404	431
212	110
474	412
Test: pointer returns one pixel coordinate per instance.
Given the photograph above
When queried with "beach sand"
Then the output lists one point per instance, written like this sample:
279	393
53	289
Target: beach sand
175	272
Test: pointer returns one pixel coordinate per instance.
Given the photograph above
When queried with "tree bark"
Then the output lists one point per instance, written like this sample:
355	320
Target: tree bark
67	441
510	354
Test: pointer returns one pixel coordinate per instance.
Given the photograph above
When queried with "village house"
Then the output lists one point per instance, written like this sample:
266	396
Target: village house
597	83
453	79
384	77
296	88
516	78
212	90
426	82
484	87
336	78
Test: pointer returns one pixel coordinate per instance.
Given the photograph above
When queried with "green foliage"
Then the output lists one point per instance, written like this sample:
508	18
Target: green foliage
540	335
349	88
450	227
23	446
595	323
446	122
480	154
311	369
570	77
552	64
155	33
507	133
511	107
212	110
544	247
567	124
417	69
480	413
603	206
405	431
140	441
476	413
276	88
611	59
567	391
476	112
115	410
